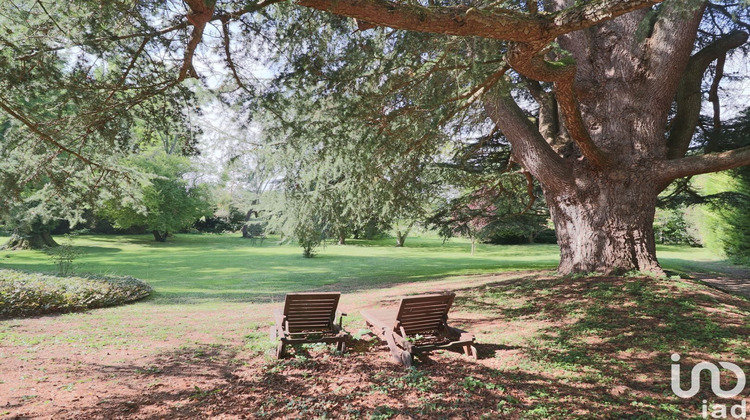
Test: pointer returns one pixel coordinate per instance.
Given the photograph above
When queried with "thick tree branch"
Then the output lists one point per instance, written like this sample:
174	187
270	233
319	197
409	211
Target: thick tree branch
713	95
200	14
41	134
670	46
530	62
592	13
528	146
689	96
670	170
548	123
529	191
495	23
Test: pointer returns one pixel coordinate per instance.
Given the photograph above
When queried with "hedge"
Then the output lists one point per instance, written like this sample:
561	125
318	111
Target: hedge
25	294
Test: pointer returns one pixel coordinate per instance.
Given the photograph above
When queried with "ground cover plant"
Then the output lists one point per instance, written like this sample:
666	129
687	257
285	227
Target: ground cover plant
26	294
548	346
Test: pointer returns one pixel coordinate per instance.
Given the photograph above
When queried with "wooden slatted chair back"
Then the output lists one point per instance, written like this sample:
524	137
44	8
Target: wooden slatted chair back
426	313
310	312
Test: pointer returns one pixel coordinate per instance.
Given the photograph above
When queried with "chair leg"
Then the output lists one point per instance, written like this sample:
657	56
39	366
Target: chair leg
407	359
470	352
280	350
341	346
396	351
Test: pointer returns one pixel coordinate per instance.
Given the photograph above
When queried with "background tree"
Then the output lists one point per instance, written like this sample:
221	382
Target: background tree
508	207
615	84
68	116
325	160
731	209
165	203
42	185
485	185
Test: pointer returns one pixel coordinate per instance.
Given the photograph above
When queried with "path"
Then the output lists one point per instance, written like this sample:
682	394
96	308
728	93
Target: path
729	278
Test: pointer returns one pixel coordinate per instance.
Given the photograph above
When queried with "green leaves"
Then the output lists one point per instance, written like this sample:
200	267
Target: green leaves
164	202
27	294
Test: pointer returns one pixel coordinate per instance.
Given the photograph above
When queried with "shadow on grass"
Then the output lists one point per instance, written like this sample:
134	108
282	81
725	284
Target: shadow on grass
256	290
718	268
619	333
315	383
94	250
600	349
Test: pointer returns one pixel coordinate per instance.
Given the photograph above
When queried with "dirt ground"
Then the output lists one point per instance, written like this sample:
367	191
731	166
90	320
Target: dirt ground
140	377
212	363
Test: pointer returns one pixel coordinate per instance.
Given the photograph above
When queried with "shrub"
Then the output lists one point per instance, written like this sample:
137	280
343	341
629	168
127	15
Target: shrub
309	233
27	294
220	224
671	228
64	255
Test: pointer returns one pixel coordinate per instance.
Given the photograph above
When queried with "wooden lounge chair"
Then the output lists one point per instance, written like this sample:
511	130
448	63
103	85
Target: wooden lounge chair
419	324
308	318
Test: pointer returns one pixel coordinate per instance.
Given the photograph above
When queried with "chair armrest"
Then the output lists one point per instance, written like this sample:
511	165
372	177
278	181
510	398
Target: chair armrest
340	316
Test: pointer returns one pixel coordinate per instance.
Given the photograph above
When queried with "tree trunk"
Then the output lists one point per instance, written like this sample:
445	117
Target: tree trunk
597	155
606	227
29	240
342	238
159	236
400	238
473	245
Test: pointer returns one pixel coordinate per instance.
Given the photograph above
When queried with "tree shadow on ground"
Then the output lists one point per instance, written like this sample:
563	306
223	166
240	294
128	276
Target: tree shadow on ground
315	382
363	285
599	348
622	332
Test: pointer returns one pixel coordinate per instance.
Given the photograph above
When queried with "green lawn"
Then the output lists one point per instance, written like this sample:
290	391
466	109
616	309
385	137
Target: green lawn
550	347
193	268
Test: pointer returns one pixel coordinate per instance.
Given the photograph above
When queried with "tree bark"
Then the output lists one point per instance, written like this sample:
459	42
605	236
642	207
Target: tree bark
29	240
401	237
159	236
606	226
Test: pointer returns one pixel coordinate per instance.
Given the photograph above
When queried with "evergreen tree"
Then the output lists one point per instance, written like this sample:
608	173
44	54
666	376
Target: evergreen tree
734	209
329	177
613	87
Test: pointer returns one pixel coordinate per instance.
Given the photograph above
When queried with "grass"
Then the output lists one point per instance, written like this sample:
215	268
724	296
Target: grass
548	346
226	268
603	345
